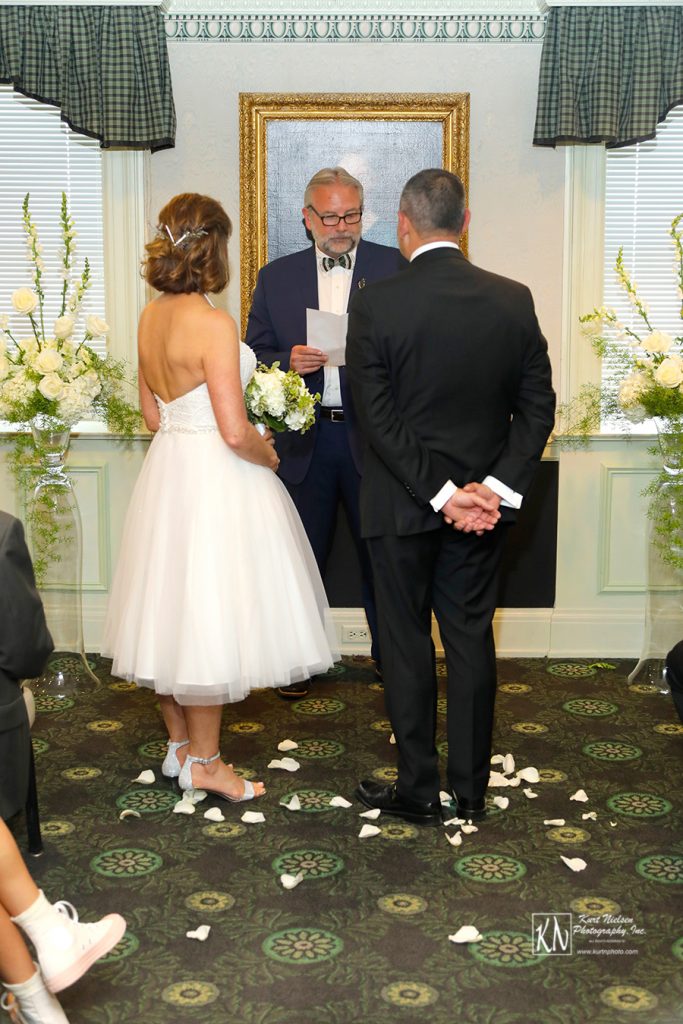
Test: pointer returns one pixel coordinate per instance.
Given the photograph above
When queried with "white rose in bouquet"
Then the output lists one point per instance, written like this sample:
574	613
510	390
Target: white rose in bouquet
29	346
96	327
24	301
658	341
52	387
669	373
64	327
46	361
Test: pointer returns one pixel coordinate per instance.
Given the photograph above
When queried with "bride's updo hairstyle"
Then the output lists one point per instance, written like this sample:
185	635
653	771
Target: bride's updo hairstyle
189	254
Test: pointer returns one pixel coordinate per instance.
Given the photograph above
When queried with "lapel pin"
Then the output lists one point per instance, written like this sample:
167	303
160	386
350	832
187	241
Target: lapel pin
361	283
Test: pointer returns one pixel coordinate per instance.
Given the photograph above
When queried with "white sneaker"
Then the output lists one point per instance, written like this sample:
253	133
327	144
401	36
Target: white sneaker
68	948
31	1003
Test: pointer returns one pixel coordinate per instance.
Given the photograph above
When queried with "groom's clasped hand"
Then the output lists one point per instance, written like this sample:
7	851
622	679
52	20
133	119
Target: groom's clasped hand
472	509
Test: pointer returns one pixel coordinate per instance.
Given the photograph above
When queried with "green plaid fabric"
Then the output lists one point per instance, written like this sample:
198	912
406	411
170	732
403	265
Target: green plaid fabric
608	74
106	68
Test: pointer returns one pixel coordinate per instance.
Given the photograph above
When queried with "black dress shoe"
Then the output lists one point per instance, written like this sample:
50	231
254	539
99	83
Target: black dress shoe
389	801
295	691
472	810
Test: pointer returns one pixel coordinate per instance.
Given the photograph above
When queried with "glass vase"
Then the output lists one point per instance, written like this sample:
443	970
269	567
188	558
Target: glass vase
664	603
55	536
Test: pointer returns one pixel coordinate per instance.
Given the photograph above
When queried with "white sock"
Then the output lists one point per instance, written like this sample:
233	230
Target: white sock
36	1004
37	917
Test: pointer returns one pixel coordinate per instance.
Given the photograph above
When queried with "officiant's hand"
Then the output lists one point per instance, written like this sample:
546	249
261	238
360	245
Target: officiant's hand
305	359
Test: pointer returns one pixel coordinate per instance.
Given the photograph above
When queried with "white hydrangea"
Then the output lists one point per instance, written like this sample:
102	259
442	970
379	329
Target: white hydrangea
631	388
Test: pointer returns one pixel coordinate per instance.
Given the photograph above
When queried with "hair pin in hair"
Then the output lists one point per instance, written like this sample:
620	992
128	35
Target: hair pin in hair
191	234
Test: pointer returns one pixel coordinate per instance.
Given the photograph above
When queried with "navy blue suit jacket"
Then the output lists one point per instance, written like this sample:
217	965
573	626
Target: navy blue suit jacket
285	289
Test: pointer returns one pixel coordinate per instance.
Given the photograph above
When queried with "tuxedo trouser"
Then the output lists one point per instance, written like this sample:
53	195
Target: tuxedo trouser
456	575
332	477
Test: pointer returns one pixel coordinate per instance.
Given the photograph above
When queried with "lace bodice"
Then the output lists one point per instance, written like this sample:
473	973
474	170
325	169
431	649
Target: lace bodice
192	413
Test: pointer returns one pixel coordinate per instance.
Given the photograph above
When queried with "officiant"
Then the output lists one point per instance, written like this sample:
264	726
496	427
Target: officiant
321	467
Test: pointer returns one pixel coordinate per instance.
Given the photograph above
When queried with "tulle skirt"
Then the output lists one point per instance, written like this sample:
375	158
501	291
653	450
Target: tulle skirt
216	590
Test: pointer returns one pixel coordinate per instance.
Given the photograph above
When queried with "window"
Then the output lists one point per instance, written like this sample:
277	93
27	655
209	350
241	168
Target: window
643	194
40	155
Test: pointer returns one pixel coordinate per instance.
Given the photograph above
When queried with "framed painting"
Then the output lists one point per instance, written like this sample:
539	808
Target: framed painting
381	139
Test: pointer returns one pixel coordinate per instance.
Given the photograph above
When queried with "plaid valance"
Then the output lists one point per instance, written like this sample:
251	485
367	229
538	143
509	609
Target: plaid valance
608	74
106	68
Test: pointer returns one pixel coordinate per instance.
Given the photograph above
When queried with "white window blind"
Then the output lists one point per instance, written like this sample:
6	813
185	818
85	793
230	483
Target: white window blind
643	194
40	155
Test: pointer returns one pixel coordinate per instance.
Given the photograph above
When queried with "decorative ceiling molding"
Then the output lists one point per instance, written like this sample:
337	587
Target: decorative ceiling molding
372	21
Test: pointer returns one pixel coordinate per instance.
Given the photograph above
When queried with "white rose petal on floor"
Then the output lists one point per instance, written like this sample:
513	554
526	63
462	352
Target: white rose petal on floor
501	801
286	745
508	764
373	813
468	829
253	817
214	814
129	813
288	764
589	816
369	830
580	796
468	933
497	779
294	803
455	840
184	807
553	821
444	797
340	801
529	793
201	933
529	775
575	863
146	778
291	881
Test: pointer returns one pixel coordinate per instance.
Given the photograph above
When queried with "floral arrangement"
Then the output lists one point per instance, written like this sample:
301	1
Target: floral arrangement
49	373
280	400
645	382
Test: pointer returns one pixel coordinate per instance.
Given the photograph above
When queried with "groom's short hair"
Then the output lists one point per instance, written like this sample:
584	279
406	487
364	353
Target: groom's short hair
434	201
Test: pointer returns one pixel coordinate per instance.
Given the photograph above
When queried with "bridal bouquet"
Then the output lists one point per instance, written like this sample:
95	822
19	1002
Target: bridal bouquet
280	400
45	370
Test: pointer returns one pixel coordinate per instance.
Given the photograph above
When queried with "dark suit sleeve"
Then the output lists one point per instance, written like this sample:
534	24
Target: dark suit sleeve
396	444
25	641
533	414
261	334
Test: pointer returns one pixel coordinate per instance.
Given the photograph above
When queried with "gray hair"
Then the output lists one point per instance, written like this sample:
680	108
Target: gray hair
434	202
333	176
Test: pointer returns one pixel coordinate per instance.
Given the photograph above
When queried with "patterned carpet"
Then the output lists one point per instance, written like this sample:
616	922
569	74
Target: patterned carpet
364	937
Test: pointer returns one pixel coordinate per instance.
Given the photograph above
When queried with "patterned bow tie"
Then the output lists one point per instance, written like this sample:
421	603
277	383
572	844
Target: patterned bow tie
341	261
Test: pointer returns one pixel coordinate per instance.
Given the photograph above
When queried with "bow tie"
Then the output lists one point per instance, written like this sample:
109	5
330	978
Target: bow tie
341	261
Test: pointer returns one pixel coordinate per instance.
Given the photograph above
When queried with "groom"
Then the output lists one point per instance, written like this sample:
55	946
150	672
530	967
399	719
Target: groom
321	467
451	383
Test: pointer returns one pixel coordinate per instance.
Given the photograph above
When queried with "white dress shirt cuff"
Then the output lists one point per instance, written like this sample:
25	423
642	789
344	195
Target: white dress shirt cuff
440	499
509	498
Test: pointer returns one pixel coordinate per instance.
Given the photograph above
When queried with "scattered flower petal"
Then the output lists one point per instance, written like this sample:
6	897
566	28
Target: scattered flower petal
529	793
590	816
455	840
214	814
201	933
286	745
253	817
340	801
455	821
194	796
369	830
184	807
373	813
498	779
553	821
291	881
514	782
392	739
501	801
294	803
444	797
575	863
497	759
580	795
288	764
146	778
467	829
129	813
468	933
614	824
508	764
529	775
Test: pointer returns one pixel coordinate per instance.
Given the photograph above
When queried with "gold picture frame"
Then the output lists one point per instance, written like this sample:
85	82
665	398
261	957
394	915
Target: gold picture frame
446	133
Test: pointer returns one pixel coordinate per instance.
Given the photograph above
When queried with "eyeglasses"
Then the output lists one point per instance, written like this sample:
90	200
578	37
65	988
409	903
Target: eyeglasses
330	220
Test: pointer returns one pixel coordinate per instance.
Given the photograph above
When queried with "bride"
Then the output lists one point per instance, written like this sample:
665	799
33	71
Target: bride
216	589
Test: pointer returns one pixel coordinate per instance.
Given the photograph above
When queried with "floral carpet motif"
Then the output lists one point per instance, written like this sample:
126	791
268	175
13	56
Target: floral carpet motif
363	938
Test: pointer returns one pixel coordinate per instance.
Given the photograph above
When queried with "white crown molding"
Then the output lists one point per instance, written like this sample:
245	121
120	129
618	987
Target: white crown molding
610	3
393	7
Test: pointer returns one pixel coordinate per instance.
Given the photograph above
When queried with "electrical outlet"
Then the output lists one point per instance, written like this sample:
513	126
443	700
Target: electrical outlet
355	634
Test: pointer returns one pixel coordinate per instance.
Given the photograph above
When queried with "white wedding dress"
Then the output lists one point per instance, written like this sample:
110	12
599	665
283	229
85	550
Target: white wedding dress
216	589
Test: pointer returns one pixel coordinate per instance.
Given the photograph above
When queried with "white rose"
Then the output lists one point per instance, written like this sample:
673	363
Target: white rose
96	327
658	341
47	361
29	346
63	327
669	373
4	366
51	387
24	301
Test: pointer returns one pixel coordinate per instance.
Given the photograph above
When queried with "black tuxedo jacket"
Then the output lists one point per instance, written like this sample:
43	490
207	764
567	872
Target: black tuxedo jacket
277	321
451	379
